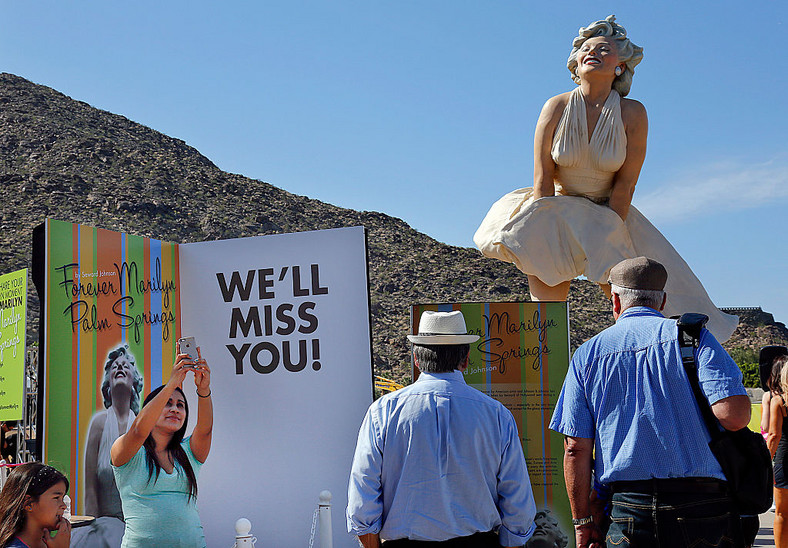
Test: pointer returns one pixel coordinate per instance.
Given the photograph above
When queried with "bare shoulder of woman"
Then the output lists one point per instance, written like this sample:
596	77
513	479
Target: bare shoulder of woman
556	104
777	402
97	421
632	111
550	116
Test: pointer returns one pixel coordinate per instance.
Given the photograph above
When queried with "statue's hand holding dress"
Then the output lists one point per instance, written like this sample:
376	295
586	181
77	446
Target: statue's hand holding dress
573	233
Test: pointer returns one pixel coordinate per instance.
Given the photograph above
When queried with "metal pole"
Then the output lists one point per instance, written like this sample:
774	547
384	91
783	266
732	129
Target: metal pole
21	426
324	508
29	416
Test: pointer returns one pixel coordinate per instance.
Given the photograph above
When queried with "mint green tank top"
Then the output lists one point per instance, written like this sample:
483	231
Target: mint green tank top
158	513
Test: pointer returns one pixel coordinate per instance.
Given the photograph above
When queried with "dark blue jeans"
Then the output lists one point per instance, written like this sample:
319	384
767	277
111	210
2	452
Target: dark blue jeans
675	520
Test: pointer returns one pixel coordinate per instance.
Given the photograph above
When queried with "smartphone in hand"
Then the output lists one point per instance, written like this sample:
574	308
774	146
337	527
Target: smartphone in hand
187	345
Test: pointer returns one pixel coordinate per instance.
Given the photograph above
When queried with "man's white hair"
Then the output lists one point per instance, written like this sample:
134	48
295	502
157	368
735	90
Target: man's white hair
651	298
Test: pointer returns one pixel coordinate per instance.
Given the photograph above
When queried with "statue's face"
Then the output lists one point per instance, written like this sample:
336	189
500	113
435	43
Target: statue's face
547	533
120	372
598	55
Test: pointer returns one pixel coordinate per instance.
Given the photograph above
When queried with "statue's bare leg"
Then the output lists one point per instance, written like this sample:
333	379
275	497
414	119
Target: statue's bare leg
540	291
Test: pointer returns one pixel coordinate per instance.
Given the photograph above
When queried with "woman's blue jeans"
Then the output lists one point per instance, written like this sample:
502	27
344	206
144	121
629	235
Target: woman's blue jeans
674	520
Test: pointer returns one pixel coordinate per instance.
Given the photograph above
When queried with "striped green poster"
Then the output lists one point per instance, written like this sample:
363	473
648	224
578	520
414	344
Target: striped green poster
109	299
521	359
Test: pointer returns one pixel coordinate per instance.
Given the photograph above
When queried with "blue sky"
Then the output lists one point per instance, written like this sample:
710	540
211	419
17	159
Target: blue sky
425	110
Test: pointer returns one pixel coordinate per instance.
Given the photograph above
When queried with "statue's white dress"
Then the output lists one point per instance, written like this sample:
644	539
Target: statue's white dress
575	233
107	530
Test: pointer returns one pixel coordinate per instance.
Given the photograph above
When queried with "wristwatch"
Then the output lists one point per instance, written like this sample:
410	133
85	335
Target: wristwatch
577	522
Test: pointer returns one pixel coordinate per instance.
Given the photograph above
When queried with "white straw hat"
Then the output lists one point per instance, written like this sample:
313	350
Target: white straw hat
442	328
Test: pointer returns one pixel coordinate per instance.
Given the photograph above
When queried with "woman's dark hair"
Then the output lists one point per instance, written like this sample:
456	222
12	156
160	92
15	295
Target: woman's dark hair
173	448
773	382
770	380
24	485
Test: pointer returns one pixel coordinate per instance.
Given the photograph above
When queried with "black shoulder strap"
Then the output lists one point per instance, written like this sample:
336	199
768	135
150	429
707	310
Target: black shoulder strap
690	326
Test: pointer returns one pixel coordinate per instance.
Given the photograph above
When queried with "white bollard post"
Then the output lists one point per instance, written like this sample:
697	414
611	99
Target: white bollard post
326	533
243	539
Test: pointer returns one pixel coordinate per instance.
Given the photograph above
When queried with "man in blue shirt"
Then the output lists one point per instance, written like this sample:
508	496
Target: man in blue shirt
439	463
628	411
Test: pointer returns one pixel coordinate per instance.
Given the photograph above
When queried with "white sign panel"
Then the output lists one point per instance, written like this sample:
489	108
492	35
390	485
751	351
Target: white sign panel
283	321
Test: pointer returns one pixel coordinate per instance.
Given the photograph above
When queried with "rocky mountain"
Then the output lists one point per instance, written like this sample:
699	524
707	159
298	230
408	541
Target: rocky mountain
64	159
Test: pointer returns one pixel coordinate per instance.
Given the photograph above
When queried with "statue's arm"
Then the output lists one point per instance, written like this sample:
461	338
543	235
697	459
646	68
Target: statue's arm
95	430
636	124
544	166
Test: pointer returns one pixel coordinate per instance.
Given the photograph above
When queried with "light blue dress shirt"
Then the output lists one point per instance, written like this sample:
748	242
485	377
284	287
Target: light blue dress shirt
627	389
438	460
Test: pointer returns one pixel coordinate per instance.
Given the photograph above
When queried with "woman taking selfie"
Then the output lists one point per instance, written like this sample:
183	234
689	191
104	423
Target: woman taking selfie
156	469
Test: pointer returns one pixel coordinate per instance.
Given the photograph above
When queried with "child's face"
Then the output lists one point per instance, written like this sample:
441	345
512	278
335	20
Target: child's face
49	507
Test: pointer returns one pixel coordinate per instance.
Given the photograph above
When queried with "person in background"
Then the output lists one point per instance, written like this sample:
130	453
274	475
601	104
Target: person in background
8	440
156	469
439	463
32	506
777	442
769	382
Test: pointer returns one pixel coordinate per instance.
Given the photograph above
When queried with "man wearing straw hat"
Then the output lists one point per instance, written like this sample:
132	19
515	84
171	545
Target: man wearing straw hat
439	463
629	415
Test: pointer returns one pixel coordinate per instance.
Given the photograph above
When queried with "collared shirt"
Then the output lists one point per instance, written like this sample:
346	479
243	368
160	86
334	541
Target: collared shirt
627	389
438	460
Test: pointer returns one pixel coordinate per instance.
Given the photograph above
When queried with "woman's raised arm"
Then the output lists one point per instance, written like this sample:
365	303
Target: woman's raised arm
127	445
636	122
200	442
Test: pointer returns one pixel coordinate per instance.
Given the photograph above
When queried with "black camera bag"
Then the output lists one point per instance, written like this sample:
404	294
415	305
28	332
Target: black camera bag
743	455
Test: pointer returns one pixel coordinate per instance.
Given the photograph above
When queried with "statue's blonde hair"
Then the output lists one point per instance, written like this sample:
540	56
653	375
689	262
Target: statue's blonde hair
628	53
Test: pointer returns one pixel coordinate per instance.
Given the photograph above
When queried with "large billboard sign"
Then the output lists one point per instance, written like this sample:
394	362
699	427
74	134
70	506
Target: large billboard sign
283	322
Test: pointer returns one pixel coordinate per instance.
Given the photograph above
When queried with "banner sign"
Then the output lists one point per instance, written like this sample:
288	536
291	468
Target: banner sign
283	323
13	314
521	359
110	322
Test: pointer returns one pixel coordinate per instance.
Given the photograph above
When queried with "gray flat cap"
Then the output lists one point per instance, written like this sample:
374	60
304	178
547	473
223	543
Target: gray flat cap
639	273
